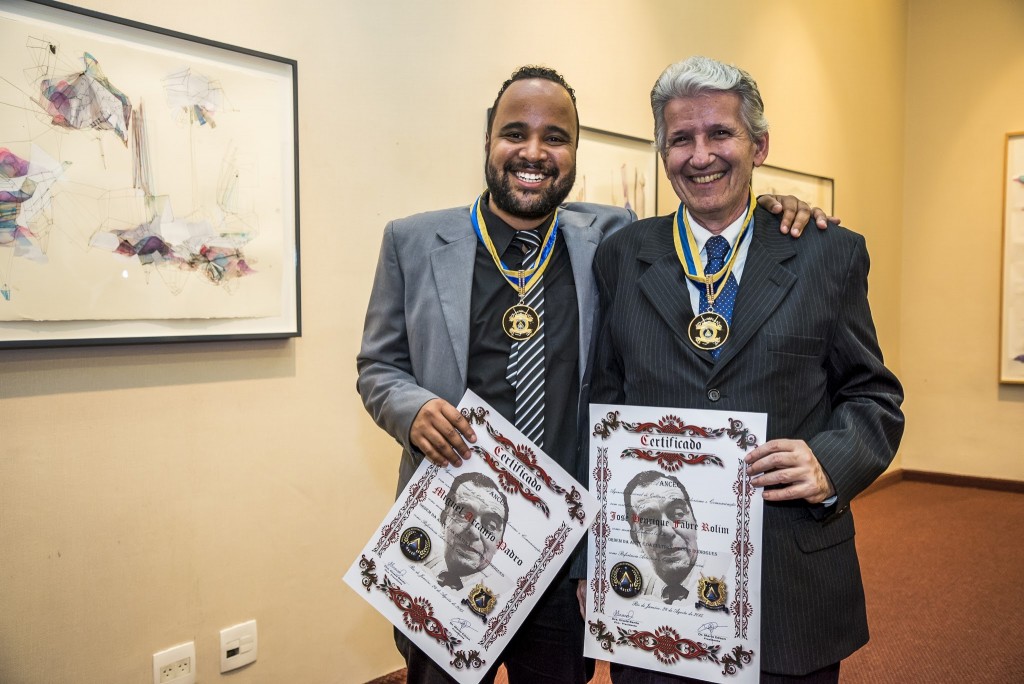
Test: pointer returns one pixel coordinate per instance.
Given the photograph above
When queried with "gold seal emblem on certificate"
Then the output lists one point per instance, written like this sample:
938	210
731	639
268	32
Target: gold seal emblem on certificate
520	322
711	594
708	331
481	600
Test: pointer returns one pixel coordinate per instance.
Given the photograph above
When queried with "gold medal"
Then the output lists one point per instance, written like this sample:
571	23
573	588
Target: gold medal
520	322
708	330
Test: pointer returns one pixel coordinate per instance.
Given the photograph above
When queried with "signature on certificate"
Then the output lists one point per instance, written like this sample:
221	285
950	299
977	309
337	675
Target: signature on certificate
396	572
462	625
707	630
627	618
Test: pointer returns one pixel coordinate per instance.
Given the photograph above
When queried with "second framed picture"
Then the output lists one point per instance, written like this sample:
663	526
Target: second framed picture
616	169
818	191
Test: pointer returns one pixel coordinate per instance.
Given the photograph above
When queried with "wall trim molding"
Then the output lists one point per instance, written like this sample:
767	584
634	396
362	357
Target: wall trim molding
991	483
884	480
964	480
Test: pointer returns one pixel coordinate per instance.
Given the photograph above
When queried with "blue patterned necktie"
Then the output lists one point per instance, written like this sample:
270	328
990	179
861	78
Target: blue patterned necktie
717	247
526	359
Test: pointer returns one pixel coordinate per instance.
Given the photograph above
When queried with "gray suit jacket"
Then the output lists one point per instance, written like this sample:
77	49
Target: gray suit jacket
802	348
416	337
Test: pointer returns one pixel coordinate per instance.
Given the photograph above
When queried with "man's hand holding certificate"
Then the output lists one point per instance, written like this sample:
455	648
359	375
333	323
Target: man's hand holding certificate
466	552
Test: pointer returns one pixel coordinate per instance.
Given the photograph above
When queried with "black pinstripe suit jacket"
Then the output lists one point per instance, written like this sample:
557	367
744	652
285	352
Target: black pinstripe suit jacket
803	349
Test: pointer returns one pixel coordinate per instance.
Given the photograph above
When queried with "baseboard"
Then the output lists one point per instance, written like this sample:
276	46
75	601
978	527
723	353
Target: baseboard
884	480
396	677
964	481
990	483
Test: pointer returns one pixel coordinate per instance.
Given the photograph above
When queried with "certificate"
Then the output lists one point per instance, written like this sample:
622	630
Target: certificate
465	553
675	550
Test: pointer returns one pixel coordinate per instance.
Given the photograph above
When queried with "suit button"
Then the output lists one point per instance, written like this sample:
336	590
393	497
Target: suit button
714	395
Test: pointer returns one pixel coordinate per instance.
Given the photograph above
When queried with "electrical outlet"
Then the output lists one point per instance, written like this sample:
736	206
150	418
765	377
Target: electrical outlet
238	646
176	670
176	665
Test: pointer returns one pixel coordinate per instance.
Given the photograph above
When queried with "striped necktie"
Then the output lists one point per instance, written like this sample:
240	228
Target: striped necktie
526	359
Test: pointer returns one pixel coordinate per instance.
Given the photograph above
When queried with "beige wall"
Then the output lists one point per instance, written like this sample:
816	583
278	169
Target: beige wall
964	93
153	495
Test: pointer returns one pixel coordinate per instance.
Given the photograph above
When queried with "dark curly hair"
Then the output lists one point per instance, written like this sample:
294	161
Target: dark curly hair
533	71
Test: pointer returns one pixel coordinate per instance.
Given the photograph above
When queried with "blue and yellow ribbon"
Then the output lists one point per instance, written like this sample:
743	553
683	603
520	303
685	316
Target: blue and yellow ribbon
521	279
689	255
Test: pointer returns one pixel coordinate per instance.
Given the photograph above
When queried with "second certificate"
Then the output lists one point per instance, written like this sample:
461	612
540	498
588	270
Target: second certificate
675	551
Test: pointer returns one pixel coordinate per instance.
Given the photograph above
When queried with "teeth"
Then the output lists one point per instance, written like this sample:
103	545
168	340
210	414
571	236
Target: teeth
708	178
530	177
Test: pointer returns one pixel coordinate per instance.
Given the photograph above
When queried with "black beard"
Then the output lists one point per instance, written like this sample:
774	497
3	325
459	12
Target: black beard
538	207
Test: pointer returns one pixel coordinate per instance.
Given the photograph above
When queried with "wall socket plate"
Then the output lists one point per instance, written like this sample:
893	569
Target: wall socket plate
176	665
237	645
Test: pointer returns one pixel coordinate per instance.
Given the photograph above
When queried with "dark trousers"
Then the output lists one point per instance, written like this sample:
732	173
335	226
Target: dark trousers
623	674
548	648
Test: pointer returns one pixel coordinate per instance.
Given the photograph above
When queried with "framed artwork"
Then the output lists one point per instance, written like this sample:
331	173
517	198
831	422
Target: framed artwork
616	169
818	191
148	184
1011	337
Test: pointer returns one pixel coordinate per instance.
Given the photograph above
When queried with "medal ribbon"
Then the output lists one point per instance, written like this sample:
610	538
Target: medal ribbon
689	255
521	280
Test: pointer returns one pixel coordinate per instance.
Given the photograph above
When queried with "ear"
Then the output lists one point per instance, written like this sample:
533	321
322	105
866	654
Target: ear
761	147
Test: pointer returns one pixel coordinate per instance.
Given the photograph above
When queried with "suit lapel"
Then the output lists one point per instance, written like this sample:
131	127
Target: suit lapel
452	265
581	240
664	284
763	286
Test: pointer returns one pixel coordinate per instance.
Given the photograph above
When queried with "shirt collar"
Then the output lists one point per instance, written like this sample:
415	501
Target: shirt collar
701	235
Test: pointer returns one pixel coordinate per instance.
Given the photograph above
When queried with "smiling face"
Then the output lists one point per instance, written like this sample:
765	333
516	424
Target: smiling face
665	527
473	529
710	156
531	152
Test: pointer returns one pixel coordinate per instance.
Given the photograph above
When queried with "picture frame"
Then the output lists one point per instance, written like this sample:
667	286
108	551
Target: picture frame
616	169
1011	327
818	191
149	184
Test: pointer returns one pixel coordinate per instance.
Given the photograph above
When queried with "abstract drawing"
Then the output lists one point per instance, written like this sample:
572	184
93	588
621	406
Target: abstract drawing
139	195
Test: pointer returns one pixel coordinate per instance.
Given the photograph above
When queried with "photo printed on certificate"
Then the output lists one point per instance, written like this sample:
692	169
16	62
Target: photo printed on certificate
674	562
465	553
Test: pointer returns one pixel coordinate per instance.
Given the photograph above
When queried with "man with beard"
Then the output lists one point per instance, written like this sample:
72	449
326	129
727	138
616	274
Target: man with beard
662	524
436	325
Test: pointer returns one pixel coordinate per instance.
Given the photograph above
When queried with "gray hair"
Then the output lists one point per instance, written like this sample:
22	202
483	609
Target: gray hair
698	75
